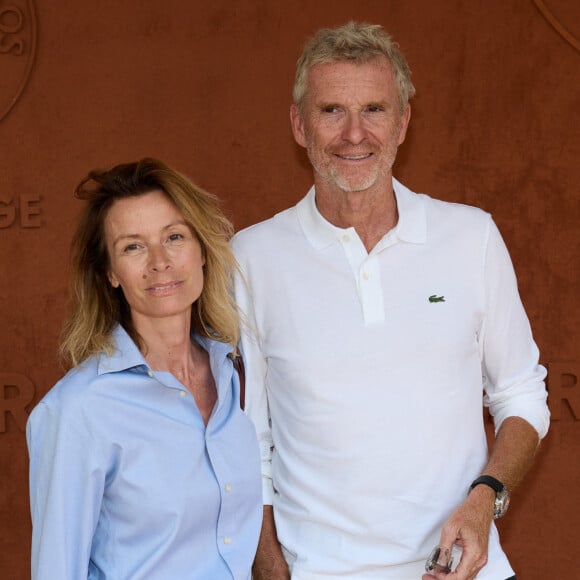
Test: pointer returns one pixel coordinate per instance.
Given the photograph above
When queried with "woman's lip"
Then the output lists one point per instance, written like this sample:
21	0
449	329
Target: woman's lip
161	288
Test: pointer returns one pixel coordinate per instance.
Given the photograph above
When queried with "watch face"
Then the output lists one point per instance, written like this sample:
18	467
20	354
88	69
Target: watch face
502	501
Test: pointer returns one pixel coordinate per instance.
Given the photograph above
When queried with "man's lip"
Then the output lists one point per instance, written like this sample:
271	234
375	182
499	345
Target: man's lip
353	156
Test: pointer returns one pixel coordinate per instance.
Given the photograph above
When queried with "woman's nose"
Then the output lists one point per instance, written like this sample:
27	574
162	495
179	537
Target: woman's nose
158	259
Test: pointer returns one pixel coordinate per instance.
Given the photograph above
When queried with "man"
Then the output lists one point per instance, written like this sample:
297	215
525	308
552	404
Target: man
377	319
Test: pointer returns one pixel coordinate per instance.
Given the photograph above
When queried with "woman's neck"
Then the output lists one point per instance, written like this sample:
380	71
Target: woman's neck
167	344
168	347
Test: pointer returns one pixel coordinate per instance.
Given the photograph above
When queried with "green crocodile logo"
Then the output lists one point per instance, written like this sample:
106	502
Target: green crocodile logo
435	298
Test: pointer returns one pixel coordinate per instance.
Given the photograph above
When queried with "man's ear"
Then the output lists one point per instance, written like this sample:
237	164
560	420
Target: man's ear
405	118
297	123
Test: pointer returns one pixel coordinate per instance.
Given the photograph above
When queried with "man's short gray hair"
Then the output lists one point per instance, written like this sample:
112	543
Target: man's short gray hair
355	42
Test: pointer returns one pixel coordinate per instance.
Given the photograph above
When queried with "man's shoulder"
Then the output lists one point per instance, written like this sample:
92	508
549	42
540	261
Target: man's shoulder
445	214
438	208
453	208
266	231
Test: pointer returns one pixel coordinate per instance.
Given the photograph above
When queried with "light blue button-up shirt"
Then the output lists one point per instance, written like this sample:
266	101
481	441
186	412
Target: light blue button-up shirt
127	483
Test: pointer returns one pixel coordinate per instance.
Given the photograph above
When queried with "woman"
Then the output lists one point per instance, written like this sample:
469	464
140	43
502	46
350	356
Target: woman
142	464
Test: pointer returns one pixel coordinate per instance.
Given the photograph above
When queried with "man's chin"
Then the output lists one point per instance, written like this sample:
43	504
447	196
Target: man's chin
355	185
348	184
355	182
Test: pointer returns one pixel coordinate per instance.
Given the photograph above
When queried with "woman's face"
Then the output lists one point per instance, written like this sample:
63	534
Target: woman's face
153	256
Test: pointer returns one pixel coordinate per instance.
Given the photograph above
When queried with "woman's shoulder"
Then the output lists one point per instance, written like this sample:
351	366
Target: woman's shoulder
69	414
74	387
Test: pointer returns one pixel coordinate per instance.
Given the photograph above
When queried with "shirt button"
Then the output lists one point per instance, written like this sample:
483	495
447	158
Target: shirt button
182	393
227	540
366	275
228	488
150	373
346	238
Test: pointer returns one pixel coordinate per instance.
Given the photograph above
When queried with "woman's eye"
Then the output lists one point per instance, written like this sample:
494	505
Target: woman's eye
176	237
131	248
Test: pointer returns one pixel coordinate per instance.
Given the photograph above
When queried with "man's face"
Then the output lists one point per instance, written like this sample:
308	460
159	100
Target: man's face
351	124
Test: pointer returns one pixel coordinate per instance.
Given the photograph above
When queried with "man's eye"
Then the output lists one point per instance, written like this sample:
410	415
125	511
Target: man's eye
330	109
375	109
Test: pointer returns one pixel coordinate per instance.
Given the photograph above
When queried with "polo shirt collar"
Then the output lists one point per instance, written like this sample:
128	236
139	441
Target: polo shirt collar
412	224
411	227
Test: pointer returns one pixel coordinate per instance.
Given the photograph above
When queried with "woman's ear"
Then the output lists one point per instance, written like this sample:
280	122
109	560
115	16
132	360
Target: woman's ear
113	280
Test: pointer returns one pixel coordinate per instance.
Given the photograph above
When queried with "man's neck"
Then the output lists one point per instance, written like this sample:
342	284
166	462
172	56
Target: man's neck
371	213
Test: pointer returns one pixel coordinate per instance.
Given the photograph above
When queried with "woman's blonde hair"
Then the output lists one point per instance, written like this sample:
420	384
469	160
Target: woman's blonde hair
353	42
96	307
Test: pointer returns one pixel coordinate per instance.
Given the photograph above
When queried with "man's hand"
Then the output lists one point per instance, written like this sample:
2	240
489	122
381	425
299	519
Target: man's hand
269	563
468	528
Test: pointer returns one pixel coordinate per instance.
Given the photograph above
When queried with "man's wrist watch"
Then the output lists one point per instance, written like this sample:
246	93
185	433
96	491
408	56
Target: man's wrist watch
502	494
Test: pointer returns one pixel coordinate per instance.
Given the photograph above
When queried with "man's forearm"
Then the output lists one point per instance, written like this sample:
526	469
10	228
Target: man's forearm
512	456
269	563
513	452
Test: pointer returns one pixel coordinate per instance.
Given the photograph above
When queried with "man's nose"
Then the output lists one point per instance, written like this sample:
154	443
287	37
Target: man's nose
353	130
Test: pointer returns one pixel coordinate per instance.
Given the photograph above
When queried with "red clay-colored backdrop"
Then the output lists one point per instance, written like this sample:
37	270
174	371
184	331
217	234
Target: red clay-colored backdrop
205	86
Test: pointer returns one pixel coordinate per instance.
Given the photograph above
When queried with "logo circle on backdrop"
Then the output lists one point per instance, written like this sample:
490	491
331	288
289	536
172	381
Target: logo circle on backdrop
555	16
18	34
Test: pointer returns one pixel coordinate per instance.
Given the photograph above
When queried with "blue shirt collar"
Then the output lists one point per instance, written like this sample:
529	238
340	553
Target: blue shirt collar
127	356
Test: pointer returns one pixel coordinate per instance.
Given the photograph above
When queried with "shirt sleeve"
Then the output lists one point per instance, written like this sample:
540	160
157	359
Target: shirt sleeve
256	383
513	378
66	488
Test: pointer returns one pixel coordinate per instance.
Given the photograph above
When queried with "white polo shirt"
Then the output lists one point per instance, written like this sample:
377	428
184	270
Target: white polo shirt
366	374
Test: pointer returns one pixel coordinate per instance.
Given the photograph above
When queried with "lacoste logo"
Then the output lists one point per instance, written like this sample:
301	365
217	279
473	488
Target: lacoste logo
435	298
